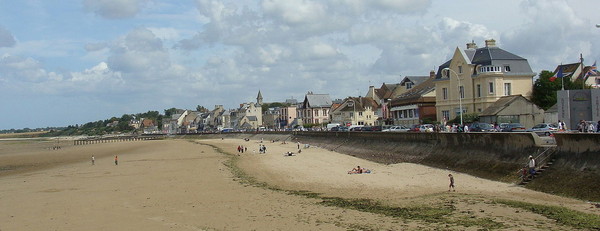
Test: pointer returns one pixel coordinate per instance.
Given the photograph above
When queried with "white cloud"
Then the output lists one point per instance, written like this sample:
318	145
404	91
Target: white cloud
295	12
114	9
6	38
139	51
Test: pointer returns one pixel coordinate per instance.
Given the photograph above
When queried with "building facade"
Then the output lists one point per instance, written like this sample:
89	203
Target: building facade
315	109
475	78
356	111
415	105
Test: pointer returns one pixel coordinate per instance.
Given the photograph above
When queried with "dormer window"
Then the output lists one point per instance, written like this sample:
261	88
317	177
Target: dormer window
507	68
409	85
460	69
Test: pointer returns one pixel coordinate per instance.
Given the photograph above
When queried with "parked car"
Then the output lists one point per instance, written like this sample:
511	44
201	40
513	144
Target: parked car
544	128
334	129
512	127
426	128
399	128
343	129
376	128
481	127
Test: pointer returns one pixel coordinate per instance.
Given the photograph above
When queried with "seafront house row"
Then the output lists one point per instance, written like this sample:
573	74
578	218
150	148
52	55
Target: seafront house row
488	81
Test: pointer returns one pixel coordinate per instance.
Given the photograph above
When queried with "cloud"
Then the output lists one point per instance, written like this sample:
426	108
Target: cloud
139	51
6	38
114	9
560	31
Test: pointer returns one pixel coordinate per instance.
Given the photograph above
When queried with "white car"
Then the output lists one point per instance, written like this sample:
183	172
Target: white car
398	128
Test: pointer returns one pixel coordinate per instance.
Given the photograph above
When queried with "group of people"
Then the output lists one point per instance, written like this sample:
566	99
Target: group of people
94	160
242	149
588	127
262	148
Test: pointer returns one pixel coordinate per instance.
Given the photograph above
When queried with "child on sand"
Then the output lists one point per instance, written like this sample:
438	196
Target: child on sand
451	186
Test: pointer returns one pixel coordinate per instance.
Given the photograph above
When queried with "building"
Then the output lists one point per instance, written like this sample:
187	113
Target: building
415	105
287	115
356	111
476	78
315	109
576	105
578	71
513	109
271	118
249	116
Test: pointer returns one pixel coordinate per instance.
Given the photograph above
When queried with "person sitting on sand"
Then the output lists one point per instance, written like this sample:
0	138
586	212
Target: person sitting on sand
359	170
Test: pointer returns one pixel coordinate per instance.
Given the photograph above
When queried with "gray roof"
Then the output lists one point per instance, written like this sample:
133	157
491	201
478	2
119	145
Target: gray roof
416	80
493	55
317	100
502	104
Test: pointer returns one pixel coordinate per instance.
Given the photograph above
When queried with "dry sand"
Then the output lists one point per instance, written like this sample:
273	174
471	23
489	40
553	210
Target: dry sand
183	185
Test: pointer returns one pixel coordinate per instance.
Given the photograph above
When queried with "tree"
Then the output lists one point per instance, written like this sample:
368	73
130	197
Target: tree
201	109
171	111
544	89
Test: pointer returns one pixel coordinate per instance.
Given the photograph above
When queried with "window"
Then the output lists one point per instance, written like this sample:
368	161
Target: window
507	68
409	85
491	87
507	89
316	113
478	90
445	93
324	112
460	69
360	113
446	115
461	90
410	113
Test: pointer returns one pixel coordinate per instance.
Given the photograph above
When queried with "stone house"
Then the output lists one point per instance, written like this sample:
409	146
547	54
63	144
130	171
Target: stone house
356	111
475	78
315	109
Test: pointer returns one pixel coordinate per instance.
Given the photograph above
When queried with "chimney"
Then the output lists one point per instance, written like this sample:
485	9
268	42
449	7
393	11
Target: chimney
490	43
432	74
471	45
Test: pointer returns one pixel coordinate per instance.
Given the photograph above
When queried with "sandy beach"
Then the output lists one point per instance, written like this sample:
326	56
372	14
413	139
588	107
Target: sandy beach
186	185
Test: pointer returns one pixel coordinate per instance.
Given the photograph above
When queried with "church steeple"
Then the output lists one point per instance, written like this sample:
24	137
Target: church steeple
259	98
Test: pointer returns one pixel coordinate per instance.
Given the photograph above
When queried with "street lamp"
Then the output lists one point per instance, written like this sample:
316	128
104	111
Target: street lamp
459	93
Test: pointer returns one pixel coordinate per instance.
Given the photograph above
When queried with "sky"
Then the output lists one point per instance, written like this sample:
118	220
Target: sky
71	62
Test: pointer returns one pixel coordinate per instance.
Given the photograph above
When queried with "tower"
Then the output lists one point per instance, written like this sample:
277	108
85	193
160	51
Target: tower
259	98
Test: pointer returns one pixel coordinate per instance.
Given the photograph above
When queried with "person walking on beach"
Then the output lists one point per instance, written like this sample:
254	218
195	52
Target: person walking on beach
298	145
451	186
93	160
116	160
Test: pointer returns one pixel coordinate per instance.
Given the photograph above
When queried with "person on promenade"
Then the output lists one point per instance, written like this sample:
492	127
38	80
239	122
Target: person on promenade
531	166
93	160
298	145
116	160
451	186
